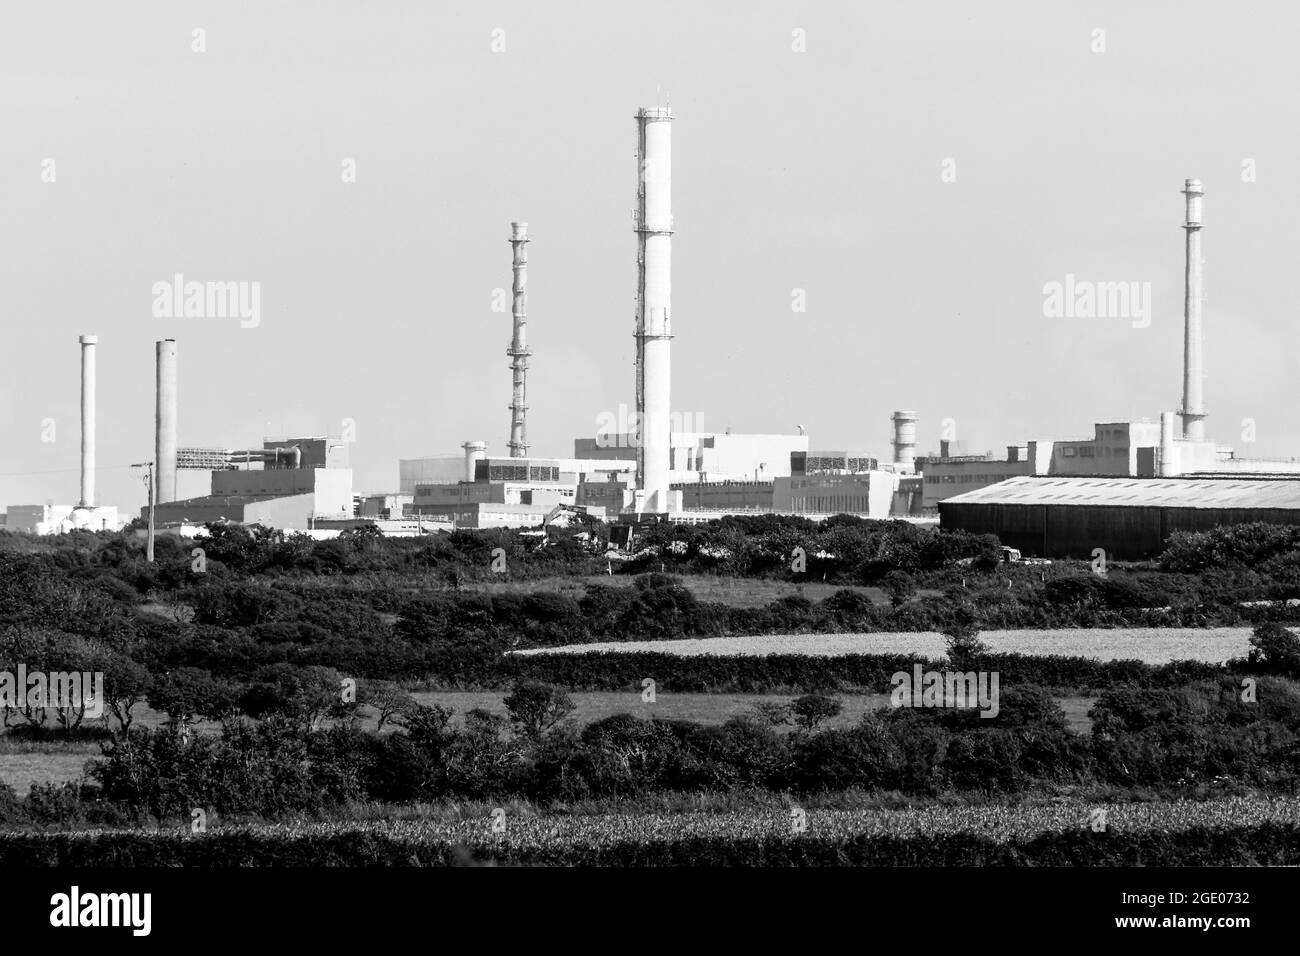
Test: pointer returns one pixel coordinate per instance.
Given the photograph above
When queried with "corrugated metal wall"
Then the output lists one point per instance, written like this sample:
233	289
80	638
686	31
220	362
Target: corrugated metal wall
1073	531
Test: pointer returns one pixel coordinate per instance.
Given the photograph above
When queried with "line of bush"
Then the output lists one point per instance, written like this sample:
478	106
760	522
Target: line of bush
1199	734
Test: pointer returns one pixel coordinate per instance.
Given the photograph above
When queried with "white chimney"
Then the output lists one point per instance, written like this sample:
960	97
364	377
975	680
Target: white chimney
1193	412
165	423
654	230
88	343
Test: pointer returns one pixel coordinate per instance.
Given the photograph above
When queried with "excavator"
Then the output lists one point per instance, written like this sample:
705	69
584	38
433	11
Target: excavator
577	518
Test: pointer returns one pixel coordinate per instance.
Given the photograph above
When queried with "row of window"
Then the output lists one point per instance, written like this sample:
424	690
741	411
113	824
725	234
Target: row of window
1090	451
832	504
981	477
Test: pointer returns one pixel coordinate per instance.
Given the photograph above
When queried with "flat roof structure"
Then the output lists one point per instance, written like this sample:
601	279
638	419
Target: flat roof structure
1127	518
1207	492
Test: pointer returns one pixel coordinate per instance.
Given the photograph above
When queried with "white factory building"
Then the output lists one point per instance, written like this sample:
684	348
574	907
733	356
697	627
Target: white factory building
287	484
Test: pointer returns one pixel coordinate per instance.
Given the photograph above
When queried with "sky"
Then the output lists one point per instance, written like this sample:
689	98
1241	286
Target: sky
912	174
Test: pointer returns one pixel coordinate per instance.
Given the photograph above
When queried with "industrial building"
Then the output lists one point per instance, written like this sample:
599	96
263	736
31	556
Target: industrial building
505	492
299	481
1128	518
1118	449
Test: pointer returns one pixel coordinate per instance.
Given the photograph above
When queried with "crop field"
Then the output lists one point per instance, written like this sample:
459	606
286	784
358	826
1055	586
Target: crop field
1243	829
1150	645
997	822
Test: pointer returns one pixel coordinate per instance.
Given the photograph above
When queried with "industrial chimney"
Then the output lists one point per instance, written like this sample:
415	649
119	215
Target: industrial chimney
165	423
518	350
905	438
475	451
88	343
1193	411
1168	450
654	229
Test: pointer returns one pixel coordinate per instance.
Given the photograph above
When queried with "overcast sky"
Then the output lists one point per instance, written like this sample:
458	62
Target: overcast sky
821	170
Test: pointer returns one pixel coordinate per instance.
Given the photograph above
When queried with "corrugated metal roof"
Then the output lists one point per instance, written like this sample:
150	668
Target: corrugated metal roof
1138	492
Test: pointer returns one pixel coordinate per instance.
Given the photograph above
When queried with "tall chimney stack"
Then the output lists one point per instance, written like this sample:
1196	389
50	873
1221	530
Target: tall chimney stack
905	438
518	350
475	451
88	343
165	423
1193	411
654	230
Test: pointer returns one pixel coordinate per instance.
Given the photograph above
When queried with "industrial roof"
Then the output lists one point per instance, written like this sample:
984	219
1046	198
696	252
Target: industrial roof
1251	493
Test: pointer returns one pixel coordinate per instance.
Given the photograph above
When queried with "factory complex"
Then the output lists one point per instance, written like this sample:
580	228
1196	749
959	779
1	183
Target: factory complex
1124	489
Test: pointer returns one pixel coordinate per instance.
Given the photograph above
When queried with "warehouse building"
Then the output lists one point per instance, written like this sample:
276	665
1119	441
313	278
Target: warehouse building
1128	518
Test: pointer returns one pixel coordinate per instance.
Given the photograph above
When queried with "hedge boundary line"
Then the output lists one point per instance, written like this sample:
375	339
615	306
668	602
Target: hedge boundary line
1268	844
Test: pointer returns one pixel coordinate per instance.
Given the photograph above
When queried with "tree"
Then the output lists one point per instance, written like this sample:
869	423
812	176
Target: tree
899	586
190	692
811	709
964	644
126	684
1276	647
301	694
389	701
535	707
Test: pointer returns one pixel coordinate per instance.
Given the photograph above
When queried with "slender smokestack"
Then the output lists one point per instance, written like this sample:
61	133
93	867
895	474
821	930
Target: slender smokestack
518	350
88	343
904	438
1193	411
475	451
654	225
165	422
1168	450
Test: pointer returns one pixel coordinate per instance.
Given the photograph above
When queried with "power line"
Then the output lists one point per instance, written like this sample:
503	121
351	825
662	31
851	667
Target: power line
61	471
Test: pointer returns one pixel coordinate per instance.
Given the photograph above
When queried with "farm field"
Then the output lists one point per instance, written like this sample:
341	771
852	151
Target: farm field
1152	645
1248	830
706	708
737	592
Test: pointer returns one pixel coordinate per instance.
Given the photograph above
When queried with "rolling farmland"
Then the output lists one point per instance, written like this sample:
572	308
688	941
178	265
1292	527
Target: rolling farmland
1150	645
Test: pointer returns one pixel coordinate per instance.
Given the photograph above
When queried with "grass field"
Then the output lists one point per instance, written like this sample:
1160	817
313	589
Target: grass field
737	592
1152	645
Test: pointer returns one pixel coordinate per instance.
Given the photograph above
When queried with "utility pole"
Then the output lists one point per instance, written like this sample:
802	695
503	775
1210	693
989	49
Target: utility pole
153	501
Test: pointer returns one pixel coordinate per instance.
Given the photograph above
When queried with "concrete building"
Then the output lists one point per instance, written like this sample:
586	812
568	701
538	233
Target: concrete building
1117	449
299	481
429	471
386	506
868	494
950	472
508	492
1128	518
732	497
61	519
704	456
